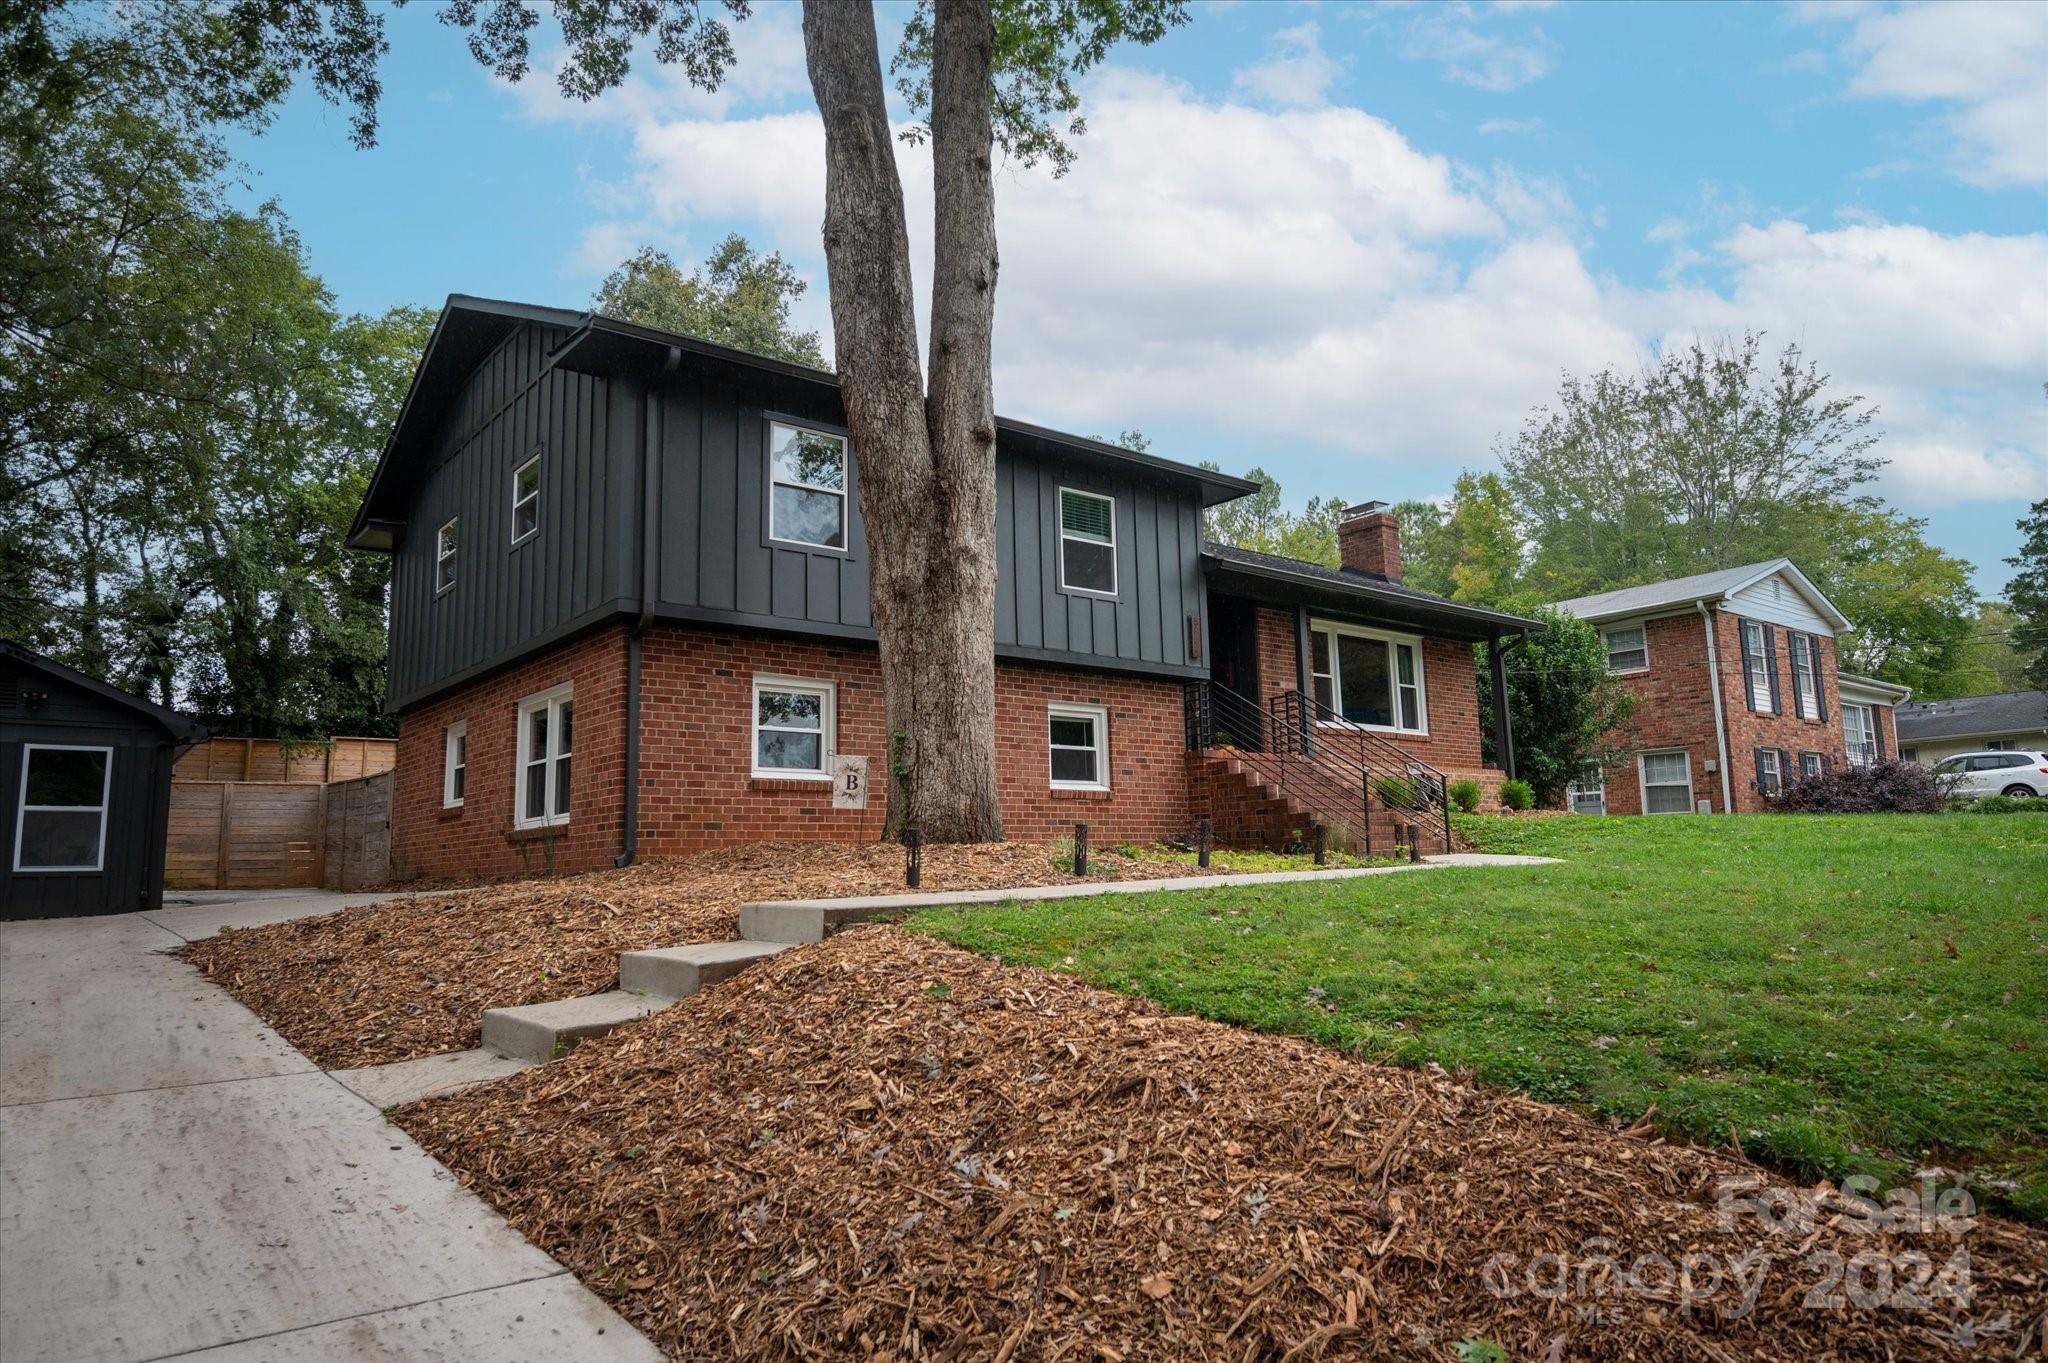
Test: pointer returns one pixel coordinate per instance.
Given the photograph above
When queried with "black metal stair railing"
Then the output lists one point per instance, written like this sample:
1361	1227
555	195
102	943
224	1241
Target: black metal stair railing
1402	781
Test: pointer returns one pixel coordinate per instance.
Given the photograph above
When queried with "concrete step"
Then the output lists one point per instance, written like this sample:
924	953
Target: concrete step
542	1031
408	1081
802	921
678	972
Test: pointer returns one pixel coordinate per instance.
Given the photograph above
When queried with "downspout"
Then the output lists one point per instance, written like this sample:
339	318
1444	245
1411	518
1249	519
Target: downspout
1503	719
1720	724
650	465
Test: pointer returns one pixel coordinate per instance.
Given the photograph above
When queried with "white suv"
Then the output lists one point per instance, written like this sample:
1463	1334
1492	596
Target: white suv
1972	774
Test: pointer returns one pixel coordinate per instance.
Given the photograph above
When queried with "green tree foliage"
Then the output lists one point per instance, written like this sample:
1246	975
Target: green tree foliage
1561	698
739	298
1262	522
2027	594
1911	605
1469	549
1990	664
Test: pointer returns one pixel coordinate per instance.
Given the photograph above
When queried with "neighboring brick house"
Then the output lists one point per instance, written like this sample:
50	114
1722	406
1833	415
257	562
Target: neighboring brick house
629	614
1737	692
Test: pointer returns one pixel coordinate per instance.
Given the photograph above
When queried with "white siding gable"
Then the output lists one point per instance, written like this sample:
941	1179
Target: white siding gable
1777	599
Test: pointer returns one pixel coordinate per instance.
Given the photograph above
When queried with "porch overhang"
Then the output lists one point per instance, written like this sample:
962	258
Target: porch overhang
1355	595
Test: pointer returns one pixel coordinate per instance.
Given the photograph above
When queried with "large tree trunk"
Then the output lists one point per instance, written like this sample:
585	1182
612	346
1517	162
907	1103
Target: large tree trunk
925	468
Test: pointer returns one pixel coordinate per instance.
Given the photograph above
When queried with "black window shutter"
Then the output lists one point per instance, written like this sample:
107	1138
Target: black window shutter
1771	666
1827	763
1876	730
1820	692
1748	690
1784	769
1758	754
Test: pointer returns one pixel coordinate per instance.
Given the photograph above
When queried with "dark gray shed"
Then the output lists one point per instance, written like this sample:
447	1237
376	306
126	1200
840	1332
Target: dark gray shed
85	791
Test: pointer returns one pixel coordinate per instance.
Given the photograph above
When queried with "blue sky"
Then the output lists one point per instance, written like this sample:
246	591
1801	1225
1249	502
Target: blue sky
1352	244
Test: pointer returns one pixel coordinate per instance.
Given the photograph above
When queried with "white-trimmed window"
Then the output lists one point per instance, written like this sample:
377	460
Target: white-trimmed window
1628	648
1859	733
1077	739
445	547
546	738
1367	678
793	728
1770	772
62	820
1666	781
526	500
1087	542
1805	691
1588	794
1811	764
1756	662
454	764
806	486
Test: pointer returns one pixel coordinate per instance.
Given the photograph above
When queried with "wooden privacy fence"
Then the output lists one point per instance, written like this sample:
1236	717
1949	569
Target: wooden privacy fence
266	759
254	835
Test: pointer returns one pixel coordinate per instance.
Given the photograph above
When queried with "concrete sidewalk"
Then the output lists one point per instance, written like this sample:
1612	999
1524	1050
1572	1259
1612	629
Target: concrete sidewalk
175	1179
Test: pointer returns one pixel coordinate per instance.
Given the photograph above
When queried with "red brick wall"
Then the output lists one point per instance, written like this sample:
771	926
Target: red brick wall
697	789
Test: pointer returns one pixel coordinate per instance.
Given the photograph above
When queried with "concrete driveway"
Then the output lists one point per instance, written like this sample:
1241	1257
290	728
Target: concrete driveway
175	1179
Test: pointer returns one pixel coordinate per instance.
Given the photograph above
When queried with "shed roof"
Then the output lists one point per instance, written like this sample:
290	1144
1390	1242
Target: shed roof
1709	586
2010	712
181	728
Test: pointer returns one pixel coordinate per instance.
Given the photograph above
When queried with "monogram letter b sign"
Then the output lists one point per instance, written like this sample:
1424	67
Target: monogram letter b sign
849	783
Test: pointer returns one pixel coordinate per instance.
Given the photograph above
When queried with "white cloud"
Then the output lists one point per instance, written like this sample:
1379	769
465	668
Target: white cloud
1985	59
1296	72
1452	36
1493	127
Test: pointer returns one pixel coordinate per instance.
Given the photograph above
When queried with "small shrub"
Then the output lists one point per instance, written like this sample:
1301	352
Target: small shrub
1517	795
1465	794
1395	792
2006	804
1891	787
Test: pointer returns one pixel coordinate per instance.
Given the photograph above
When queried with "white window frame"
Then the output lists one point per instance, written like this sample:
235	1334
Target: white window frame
454	758
1577	789
1865	753
1771	777
1115	568
1098	715
1819	767
1805	684
1607	641
519	501
1643	780
1335	675
22	808
1757	676
551	700
845	478
447	550
827	731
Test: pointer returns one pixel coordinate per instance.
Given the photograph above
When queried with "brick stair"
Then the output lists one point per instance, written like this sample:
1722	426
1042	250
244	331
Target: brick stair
1247	807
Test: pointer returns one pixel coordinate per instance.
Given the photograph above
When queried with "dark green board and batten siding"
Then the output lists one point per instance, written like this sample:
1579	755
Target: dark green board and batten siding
715	563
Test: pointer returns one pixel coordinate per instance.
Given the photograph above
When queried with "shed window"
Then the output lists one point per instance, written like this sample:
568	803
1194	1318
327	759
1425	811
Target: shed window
1366	678
807	486
546	739
526	500
455	764
1087	542
444	557
62	825
1078	741
1627	649
1667	782
793	728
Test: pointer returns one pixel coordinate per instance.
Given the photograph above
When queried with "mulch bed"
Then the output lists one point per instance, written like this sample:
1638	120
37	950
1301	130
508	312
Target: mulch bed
880	1146
412	977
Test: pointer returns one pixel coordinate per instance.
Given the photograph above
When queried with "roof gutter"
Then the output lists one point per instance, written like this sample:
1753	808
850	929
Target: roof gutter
1499	619
650	494
1714	685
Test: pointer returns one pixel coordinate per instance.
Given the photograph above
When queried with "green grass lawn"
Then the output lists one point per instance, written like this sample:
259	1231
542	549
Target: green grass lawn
1846	994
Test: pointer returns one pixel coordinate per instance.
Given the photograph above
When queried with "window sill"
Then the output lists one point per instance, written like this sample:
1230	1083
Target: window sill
538	832
1346	727
449	813
1082	793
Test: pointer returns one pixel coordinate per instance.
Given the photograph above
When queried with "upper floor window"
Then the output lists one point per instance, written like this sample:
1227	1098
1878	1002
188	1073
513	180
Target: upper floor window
1077	737
806	486
1366	678
62	820
444	557
454	764
546	738
1087	542
1628	649
1805	673
526	499
1757	666
793	724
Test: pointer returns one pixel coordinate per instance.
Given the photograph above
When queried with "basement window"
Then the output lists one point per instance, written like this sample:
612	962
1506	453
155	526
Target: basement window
806	487
1078	742
1087	542
445	547
62	823
546	738
526	500
793	728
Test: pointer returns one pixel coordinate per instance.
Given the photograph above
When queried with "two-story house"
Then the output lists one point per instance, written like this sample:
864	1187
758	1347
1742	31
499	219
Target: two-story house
1737	692
629	614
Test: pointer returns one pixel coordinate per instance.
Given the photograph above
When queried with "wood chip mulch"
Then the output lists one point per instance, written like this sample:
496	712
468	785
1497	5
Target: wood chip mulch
412	977
883	1147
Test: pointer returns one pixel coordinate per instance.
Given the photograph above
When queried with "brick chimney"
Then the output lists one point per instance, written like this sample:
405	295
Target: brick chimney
1369	540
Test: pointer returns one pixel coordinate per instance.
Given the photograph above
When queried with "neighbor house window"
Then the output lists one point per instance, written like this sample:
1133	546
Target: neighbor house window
546	738
454	764
62	823
1805	689
1628	650
1756	664
793	723
444	557
1859	735
1366	678
1667	782
1588	794
1087	542
526	499
1999	744
1811	764
806	486
1770	771
1078	738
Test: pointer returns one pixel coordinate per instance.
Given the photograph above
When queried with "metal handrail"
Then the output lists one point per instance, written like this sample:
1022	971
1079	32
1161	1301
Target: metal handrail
1325	734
